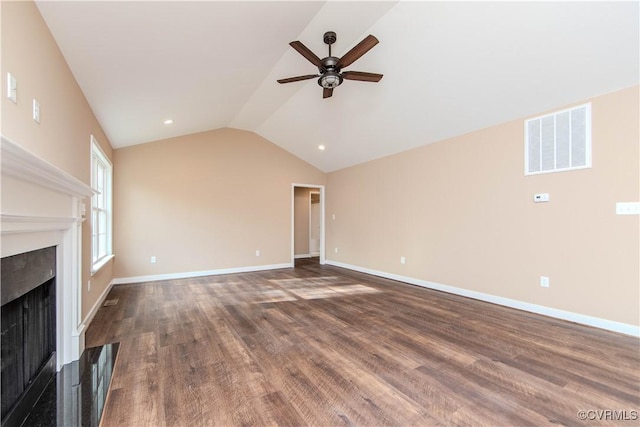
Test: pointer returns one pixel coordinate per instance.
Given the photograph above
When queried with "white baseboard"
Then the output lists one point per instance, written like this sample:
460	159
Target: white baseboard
92	313
302	256
190	274
623	328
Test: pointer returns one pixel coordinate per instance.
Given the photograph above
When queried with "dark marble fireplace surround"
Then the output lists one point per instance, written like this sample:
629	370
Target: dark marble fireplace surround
28	294
33	394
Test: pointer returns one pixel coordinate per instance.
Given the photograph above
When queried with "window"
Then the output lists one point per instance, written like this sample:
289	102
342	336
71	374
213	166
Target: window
559	141
101	177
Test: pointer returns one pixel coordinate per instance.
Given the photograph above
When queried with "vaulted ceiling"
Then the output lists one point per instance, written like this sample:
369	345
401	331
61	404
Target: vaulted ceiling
449	67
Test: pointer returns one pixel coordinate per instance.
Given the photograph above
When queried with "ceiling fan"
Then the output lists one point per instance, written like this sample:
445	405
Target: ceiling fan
330	68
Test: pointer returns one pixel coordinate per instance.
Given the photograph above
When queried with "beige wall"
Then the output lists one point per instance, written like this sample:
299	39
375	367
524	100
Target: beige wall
462	214
460	211
204	202
62	138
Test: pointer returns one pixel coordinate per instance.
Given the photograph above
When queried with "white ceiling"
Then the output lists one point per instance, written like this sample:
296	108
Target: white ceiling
449	67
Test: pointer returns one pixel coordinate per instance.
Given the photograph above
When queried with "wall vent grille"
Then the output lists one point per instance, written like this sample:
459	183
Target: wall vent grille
559	141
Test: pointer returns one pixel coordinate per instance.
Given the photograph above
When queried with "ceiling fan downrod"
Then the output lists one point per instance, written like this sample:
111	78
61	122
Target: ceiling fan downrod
330	38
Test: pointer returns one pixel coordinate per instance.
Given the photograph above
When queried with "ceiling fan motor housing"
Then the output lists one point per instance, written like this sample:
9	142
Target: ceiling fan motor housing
330	63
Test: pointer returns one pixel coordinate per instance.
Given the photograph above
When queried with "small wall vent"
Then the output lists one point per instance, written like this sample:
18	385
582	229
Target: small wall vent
559	141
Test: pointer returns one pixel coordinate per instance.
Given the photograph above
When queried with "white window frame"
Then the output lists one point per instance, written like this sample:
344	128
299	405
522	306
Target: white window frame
101	206
553	115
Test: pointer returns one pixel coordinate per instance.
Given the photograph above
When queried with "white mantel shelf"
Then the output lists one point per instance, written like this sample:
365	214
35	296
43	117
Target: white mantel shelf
22	164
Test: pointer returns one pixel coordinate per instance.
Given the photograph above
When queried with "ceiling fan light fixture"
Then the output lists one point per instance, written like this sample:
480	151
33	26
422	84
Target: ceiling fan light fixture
330	79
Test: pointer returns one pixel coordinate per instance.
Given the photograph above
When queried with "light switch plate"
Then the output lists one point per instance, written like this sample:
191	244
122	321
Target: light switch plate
12	88
36	111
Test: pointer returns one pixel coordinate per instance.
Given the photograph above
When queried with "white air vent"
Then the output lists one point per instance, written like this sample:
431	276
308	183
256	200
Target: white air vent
559	141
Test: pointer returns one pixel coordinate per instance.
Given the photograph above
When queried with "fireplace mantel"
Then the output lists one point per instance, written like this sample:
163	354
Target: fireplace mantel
20	163
42	206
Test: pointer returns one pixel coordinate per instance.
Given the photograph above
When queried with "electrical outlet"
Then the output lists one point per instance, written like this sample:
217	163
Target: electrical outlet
153	260
89	286
336	250
402	260
544	281
258	252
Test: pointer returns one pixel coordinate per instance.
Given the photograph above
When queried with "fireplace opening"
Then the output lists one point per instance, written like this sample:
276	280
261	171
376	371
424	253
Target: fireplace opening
28	330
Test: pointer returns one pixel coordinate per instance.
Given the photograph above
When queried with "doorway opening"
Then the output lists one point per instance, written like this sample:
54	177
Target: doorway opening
314	223
307	225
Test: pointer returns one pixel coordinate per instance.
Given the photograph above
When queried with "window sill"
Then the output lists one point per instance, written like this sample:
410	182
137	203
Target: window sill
98	265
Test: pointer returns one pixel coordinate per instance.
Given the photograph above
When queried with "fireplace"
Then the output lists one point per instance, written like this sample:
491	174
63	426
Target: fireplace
28	289
42	208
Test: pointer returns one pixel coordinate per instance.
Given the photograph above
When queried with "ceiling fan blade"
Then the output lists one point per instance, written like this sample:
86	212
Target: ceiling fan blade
297	79
357	51
306	52
362	76
327	92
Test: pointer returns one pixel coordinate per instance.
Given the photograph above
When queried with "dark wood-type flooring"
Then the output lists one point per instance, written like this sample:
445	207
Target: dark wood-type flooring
319	345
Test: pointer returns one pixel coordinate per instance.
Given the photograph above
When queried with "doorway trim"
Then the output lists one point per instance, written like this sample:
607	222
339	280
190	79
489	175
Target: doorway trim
322	219
311	193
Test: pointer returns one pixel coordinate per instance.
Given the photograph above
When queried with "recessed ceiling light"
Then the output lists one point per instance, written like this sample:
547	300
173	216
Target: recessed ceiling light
168	122
321	147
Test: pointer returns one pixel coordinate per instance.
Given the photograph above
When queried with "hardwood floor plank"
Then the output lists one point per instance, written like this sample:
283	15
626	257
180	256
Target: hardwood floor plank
181	385
319	345
280	412
136	393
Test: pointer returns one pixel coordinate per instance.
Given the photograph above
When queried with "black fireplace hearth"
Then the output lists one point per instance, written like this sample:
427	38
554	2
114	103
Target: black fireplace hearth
76	395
